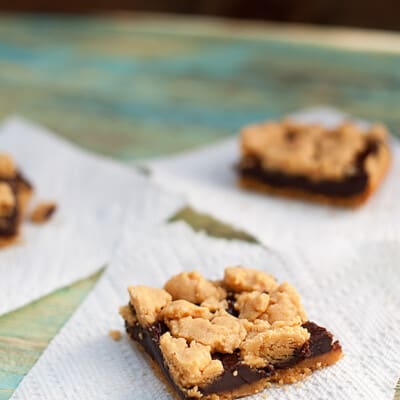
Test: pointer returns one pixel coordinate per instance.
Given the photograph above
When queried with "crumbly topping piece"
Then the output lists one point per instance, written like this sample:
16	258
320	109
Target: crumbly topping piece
378	132
264	345
214	304
285	305
182	308
222	333
8	169
309	150
240	279
7	200
115	334
257	326
148	302
126	313
251	305
191	286
43	212
190	365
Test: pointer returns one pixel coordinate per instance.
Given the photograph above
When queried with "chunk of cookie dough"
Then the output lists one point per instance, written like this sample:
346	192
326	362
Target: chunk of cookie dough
191	286
190	364
239	279
222	333
148	302
227	339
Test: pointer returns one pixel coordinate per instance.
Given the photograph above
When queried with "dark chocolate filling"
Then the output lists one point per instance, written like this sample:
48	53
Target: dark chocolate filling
230	299
235	372
351	185
149	338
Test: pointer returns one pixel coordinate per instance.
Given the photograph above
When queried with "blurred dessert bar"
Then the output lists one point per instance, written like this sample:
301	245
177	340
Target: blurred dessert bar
341	166
15	192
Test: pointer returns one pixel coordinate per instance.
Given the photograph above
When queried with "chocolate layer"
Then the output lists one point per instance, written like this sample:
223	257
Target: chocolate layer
320	342
149	338
235	372
352	185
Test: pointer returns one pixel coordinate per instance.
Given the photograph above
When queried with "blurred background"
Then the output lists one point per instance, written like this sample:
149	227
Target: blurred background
145	78
384	14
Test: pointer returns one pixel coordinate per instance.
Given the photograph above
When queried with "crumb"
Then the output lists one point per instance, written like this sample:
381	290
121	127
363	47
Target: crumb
43	212
115	334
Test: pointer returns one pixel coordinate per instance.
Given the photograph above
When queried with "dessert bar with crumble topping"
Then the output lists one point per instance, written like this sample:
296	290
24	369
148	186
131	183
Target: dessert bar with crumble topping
229	338
340	166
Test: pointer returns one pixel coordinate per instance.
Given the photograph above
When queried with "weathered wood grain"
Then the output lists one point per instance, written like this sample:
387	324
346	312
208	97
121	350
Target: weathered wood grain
201	222
134	89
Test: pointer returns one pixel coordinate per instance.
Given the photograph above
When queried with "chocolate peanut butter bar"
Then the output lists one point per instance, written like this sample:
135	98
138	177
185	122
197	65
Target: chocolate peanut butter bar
15	192
340	166
227	339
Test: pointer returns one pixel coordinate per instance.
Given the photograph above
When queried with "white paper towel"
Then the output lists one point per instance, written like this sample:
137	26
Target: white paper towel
208	180
350	289
92	194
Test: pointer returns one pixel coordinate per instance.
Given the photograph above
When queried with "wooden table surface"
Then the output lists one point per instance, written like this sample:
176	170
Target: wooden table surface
137	86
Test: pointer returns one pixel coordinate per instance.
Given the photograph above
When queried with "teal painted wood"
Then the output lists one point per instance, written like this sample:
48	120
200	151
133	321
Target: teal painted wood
131	89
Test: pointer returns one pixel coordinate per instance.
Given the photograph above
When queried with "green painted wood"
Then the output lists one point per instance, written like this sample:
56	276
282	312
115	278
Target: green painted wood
133	88
25	333
201	222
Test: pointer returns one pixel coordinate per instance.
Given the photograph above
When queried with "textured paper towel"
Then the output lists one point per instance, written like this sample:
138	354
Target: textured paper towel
352	290
208	180
92	193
